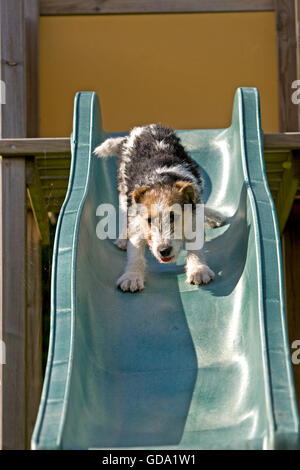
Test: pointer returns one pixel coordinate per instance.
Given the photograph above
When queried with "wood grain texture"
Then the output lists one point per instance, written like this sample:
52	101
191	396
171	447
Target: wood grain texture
32	17
37	226
36	196
88	7
23	147
287	63
283	140
12	70
12	302
61	146
12	230
33	325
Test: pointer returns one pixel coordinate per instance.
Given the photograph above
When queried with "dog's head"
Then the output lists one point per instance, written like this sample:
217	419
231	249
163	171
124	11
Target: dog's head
160	216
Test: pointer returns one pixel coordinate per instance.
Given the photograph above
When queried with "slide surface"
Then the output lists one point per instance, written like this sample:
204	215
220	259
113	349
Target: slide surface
175	366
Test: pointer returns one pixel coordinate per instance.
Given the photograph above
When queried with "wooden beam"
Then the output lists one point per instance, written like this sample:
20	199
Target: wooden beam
38	204
23	147
287	63
32	17
283	140
61	147
12	230
37	225
289	184
89	7
34	374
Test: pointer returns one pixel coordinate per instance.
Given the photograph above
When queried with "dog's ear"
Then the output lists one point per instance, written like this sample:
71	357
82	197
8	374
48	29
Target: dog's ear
138	193
187	190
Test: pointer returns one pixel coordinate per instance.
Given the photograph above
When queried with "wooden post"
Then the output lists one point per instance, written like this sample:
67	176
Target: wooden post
32	24
33	325
12	229
34	377
287	63
287	19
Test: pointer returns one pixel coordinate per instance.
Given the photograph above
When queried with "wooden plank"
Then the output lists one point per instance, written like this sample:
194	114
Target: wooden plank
12	303
287	21
54	193
47	164
37	226
283	140
33	325
291	256
59	177
12	70
288	186
12	229
59	148
287	63
32	16
23	147
37	200
89	7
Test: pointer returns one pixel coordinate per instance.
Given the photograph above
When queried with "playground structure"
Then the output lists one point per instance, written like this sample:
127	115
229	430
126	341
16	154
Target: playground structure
29	164
174	366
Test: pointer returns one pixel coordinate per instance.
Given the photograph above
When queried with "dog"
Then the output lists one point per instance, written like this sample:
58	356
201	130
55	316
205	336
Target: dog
157	178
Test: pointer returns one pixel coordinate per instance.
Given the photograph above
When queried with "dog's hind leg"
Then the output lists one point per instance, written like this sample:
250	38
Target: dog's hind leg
121	242
213	218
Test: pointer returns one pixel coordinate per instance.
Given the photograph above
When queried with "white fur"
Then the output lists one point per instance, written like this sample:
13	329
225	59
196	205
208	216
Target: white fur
161	145
127	147
135	132
109	148
133	278
197	271
121	242
161	235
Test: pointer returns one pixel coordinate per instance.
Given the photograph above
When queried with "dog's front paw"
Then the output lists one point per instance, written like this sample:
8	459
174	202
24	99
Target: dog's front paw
121	243
131	281
201	274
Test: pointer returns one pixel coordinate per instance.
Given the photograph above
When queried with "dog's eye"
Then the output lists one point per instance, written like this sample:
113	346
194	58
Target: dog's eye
149	220
172	216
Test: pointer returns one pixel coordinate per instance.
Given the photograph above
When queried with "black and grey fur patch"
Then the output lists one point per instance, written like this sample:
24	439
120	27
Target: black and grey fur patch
154	156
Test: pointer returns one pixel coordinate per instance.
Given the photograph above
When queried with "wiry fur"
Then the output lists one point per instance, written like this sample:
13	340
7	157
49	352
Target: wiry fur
151	155
154	169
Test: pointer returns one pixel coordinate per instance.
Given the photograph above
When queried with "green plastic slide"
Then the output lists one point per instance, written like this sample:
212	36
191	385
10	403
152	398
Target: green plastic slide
175	366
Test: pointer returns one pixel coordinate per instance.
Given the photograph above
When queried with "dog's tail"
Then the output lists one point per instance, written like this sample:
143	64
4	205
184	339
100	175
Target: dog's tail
110	147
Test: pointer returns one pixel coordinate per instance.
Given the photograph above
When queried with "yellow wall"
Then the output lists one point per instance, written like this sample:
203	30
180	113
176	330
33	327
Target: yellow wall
181	69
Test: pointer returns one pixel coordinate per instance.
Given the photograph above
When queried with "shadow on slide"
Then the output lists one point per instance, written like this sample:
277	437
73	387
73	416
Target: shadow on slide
175	366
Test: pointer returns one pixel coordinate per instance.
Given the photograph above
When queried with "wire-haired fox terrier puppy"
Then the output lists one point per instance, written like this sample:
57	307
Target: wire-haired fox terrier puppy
157	178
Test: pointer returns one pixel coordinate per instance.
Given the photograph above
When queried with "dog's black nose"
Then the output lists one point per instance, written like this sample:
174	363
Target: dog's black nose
166	252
